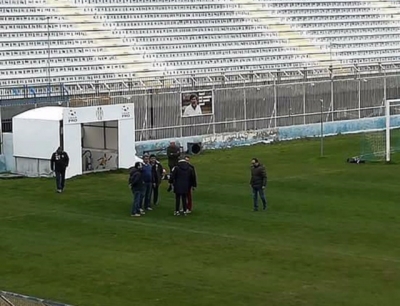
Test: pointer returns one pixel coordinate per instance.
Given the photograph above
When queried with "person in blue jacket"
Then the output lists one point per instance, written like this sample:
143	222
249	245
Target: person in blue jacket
148	180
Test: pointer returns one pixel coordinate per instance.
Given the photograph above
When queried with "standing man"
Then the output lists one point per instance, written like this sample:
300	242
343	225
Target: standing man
173	153
189	195
58	163
258	182
158	171
182	178
137	187
148	181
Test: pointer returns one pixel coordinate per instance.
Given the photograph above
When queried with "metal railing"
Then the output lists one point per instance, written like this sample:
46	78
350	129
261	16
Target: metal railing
241	102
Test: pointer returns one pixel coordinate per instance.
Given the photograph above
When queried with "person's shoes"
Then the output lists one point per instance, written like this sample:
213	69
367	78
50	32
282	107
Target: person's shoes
177	213
255	209
59	190
265	207
149	208
188	211
142	212
136	215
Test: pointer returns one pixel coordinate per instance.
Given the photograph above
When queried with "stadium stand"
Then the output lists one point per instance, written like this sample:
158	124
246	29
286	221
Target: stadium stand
65	41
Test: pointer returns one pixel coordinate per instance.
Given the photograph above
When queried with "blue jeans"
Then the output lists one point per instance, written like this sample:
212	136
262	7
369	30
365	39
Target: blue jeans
60	179
148	187
259	191
137	201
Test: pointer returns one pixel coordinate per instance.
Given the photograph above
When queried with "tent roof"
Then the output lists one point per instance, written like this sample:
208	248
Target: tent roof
52	113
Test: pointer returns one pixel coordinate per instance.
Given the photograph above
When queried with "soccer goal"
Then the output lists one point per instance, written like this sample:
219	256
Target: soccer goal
380	145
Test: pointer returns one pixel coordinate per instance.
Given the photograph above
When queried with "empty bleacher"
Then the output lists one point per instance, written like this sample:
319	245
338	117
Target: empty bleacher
66	41
352	31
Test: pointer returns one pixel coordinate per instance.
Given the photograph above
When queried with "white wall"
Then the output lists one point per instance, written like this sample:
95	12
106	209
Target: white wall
72	145
32	167
8	151
33	138
126	145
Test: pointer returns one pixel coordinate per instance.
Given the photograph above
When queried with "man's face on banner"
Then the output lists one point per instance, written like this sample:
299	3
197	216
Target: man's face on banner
193	101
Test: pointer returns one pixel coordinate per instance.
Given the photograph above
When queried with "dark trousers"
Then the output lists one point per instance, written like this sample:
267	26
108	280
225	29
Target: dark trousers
147	194
60	179
189	200
155	194
259	191
137	201
178	198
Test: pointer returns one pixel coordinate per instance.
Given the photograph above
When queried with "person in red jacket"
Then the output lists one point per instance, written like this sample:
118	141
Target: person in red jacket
189	205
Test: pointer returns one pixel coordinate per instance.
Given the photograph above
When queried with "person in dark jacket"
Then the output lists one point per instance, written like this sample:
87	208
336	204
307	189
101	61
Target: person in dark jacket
158	172
148	179
258	182
173	154
136	185
189	195
58	163
182	178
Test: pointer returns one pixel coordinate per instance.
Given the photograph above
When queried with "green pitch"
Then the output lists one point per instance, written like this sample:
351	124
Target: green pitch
330	236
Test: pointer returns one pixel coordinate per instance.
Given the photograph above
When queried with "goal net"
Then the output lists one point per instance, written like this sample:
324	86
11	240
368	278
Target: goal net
380	145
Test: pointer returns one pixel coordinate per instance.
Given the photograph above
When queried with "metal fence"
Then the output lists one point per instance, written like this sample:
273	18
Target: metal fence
13	299
248	102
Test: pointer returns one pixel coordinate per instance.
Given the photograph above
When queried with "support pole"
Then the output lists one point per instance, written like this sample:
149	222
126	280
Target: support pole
48	57
245	106
387	116
322	128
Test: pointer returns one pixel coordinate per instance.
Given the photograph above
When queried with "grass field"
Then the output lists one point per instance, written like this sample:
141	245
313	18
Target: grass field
331	235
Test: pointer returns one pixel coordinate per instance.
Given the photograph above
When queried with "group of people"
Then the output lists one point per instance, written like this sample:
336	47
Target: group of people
145	179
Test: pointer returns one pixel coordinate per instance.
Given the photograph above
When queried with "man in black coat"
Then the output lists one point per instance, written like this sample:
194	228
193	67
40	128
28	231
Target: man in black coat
173	154
183	179
58	163
158	172
189	197
258	182
136	184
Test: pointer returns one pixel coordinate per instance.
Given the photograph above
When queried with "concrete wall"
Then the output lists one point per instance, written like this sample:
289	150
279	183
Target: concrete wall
228	140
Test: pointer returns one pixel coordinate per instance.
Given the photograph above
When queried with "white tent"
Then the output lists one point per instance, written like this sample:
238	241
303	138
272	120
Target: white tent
108	131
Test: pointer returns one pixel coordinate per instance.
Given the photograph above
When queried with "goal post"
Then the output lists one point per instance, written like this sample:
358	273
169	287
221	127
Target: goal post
387	128
380	144
390	132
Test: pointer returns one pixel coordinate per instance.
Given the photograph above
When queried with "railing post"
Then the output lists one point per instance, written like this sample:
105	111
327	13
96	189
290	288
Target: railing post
245	106
304	95
213	115
180	111
275	100
332	88
359	97
384	85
